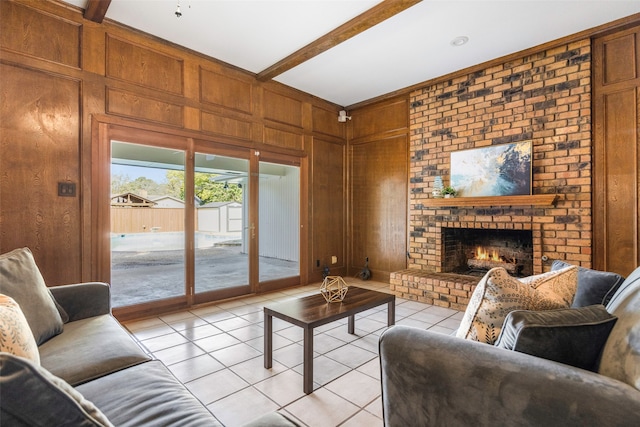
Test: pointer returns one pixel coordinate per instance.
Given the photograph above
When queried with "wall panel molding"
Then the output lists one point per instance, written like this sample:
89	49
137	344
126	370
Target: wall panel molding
130	62
281	108
325	121
34	37
40	137
385	118
221	125
225	91
127	104
284	139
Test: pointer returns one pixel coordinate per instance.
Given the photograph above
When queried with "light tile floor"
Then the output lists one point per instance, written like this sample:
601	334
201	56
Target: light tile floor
217	353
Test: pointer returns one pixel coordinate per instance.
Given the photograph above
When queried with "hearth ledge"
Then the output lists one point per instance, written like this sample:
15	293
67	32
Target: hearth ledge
448	290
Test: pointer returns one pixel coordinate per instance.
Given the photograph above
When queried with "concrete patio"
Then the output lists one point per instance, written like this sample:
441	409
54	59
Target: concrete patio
138	277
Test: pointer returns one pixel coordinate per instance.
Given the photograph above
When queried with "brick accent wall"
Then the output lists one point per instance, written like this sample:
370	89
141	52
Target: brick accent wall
545	98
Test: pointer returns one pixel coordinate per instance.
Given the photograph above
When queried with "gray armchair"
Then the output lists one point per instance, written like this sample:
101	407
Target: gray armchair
430	379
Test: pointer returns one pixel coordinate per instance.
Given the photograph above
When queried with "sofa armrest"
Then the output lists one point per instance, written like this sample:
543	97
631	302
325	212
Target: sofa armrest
432	379
82	300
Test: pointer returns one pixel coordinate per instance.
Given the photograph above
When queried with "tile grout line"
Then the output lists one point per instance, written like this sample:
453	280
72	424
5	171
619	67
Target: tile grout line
179	323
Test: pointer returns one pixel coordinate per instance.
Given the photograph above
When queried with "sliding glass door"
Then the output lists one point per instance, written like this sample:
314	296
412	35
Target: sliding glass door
191	222
221	188
147	212
279	221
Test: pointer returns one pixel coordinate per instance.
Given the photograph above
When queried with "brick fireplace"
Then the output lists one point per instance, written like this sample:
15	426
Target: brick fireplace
545	98
474	251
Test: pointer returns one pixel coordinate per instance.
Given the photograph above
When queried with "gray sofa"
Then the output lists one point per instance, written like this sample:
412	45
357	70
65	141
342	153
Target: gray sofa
92	371
430	379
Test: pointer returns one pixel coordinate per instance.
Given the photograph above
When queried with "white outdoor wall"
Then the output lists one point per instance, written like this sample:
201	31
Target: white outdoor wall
280	216
209	220
234	218
222	219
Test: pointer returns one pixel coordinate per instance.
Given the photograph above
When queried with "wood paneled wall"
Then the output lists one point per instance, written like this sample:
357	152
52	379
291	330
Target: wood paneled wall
61	72
328	230
616	168
378	184
39	139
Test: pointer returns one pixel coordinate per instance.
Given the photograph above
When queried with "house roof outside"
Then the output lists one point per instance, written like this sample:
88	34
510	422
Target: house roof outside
131	200
166	198
219	205
134	200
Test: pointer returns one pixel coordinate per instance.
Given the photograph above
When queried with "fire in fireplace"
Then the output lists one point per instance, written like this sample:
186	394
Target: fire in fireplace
475	251
484	260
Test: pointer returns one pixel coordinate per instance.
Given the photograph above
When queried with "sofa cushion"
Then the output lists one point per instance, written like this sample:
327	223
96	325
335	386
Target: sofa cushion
21	280
90	348
146	395
31	396
15	335
498	293
573	336
594	287
621	354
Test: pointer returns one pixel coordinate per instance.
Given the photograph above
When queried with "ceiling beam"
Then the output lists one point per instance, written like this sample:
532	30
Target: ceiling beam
96	10
357	25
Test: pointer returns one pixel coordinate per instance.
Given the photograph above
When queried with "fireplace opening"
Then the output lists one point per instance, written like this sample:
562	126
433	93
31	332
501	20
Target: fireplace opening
473	251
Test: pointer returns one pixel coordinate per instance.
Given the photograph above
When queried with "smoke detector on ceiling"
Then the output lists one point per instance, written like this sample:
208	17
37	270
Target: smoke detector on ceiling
459	41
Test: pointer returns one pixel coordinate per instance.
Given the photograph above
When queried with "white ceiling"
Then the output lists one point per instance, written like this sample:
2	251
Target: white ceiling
409	48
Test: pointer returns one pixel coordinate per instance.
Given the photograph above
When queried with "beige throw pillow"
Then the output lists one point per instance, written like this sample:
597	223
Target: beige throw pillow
497	294
15	335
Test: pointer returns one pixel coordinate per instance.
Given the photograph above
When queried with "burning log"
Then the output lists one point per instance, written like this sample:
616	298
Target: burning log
488	264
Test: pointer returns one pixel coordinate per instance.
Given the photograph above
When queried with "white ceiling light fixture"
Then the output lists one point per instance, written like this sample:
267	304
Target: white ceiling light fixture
460	41
178	12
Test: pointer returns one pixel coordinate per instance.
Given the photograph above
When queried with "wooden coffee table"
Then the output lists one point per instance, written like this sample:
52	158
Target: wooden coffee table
313	311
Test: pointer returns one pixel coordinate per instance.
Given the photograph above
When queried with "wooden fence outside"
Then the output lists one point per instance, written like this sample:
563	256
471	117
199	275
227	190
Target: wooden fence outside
141	220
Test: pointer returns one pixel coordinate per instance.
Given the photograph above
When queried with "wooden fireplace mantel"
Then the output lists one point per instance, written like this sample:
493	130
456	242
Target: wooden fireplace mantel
533	200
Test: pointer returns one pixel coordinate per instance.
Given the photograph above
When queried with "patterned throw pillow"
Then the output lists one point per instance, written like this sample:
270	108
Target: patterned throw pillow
497	294
15	335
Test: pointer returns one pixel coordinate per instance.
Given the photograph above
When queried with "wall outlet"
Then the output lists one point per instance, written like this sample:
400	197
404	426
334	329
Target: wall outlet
334	259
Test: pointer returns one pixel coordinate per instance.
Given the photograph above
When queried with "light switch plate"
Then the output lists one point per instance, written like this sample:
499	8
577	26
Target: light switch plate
67	189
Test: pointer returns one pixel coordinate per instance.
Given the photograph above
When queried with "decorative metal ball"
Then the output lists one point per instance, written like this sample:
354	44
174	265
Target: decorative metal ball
333	289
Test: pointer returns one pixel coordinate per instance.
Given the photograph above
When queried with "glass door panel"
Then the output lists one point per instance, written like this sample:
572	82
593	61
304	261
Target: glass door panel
221	188
147	223
279	221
